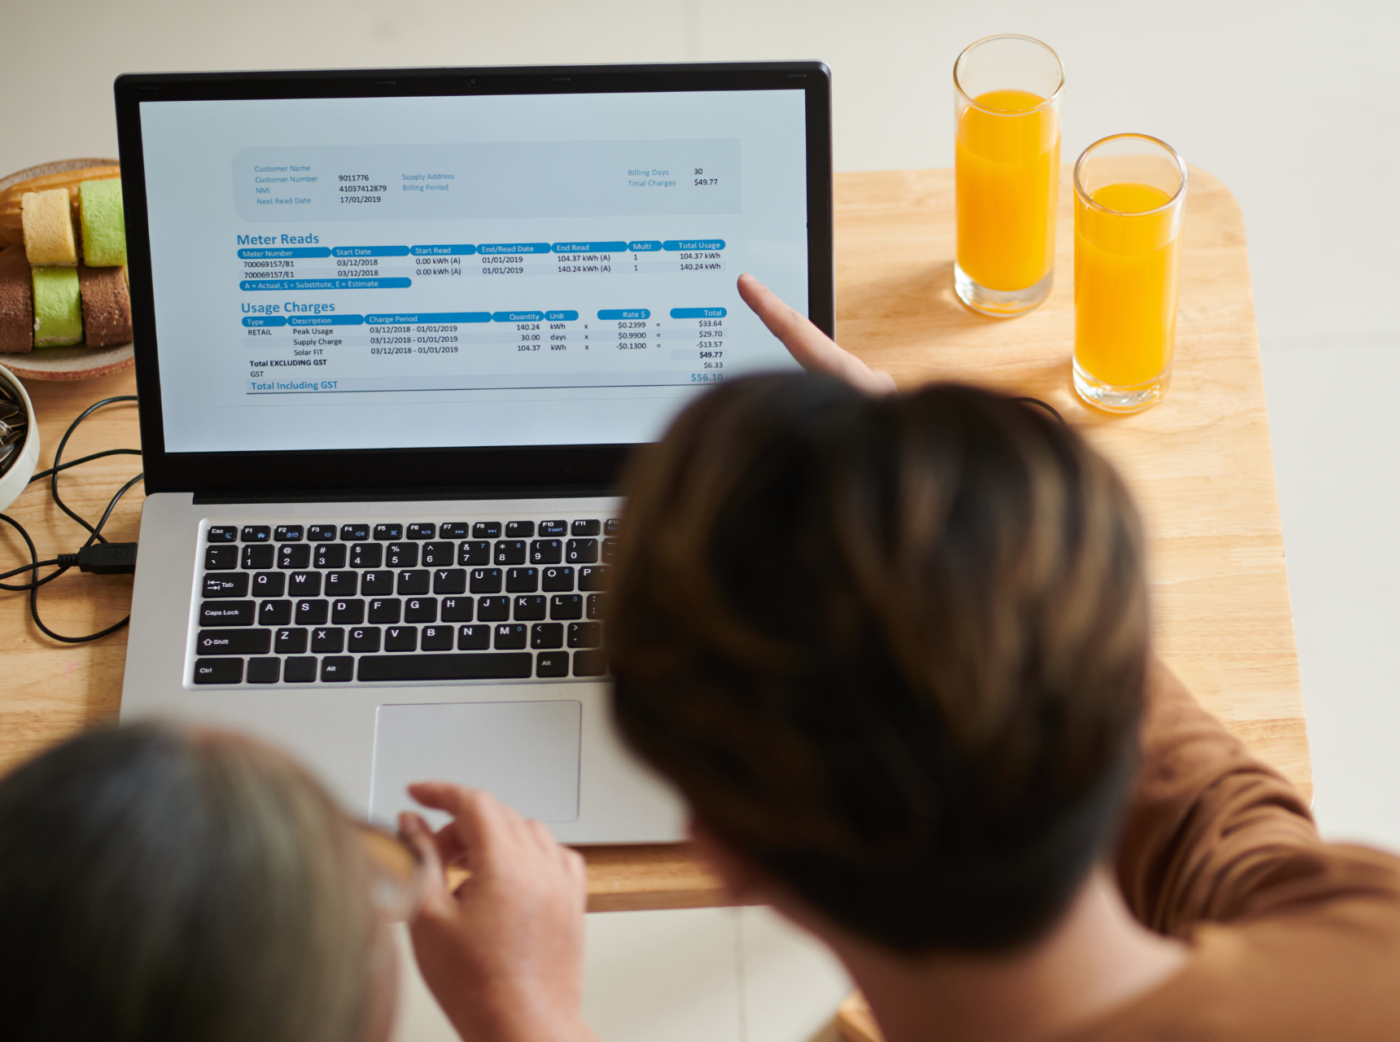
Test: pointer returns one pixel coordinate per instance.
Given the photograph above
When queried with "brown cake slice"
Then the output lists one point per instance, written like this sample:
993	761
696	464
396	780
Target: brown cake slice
16	303
106	306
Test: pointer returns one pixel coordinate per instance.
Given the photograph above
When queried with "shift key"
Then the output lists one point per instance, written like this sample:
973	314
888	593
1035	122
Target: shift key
226	613
233	642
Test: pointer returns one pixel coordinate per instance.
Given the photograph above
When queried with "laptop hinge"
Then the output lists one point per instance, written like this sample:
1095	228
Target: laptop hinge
360	495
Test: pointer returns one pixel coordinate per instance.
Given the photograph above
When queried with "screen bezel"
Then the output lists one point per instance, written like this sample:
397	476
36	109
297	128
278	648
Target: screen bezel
540	469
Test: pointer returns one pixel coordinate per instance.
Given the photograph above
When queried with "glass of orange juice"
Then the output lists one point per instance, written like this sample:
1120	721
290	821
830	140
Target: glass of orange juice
1007	92
1129	198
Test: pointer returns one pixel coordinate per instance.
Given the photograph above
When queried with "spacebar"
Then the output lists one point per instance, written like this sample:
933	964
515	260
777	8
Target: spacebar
511	665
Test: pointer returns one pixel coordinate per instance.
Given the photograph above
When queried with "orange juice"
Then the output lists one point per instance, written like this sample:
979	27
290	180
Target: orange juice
1126	269
1008	176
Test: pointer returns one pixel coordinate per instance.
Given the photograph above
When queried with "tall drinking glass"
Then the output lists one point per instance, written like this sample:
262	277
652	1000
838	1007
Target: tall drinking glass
1007	92
1129	198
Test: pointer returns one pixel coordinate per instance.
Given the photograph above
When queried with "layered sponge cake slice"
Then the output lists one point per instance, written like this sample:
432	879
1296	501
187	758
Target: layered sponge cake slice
106	306
16	302
48	228
103	223
58	312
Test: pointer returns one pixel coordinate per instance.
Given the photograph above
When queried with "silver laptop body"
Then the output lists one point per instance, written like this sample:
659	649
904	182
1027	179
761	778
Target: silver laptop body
396	332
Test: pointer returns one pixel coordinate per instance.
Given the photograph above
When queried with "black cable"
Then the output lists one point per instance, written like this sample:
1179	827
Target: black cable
34	592
112	506
58	457
25	568
34	611
41	474
81	559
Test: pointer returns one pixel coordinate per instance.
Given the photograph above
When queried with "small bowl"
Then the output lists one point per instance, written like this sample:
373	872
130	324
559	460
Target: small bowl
16	479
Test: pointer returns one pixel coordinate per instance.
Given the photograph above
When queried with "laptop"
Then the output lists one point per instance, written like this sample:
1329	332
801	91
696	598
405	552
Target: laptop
396	333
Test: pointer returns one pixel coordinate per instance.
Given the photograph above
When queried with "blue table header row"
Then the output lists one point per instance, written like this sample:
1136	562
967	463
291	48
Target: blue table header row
466	249
407	318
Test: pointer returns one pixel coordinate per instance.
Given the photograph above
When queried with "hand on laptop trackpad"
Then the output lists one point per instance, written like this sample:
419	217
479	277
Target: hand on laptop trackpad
525	753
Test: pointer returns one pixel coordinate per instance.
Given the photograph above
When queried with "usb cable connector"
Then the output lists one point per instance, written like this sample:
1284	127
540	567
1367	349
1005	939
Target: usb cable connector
103	559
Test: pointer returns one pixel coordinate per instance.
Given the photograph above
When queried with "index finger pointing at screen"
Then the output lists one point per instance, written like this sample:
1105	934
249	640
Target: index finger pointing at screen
814	350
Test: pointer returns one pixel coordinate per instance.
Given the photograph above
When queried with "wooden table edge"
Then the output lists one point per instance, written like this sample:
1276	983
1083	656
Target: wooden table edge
638	877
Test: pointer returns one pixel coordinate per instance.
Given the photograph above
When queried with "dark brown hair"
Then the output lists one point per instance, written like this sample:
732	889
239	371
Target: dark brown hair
891	649
157	884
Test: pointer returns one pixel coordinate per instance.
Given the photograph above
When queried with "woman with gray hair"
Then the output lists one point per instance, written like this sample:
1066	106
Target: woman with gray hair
166	884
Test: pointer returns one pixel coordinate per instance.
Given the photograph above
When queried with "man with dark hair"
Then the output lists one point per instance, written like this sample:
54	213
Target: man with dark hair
891	650
894	651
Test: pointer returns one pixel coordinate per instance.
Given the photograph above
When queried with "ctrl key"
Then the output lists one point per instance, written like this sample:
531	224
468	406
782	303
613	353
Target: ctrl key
218	671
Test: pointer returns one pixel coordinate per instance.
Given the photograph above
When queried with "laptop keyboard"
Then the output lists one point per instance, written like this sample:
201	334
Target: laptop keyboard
402	601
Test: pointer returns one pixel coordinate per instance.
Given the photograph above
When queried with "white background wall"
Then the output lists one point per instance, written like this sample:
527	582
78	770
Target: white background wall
1293	104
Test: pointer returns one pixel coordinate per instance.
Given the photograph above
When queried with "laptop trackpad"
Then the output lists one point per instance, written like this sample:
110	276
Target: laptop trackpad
524	753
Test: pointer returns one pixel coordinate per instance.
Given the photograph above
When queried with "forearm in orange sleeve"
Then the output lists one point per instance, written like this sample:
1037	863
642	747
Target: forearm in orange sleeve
1210	832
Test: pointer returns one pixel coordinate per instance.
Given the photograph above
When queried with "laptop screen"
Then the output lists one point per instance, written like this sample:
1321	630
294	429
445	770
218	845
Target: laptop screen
456	271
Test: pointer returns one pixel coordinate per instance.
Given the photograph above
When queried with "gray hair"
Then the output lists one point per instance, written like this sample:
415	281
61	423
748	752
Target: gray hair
159	884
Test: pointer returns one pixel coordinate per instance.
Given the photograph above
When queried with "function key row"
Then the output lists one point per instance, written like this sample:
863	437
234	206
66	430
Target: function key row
419	530
222	557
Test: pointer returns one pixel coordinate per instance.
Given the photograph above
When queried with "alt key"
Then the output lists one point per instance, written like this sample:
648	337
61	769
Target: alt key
337	668
552	664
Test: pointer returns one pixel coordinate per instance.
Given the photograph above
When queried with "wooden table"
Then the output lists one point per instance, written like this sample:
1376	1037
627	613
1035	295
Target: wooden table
1199	463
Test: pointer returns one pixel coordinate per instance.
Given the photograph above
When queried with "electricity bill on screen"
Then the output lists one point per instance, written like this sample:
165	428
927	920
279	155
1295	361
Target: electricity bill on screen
510	270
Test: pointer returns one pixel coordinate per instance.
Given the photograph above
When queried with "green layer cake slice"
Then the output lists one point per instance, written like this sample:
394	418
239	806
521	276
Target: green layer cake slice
103	223
58	307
